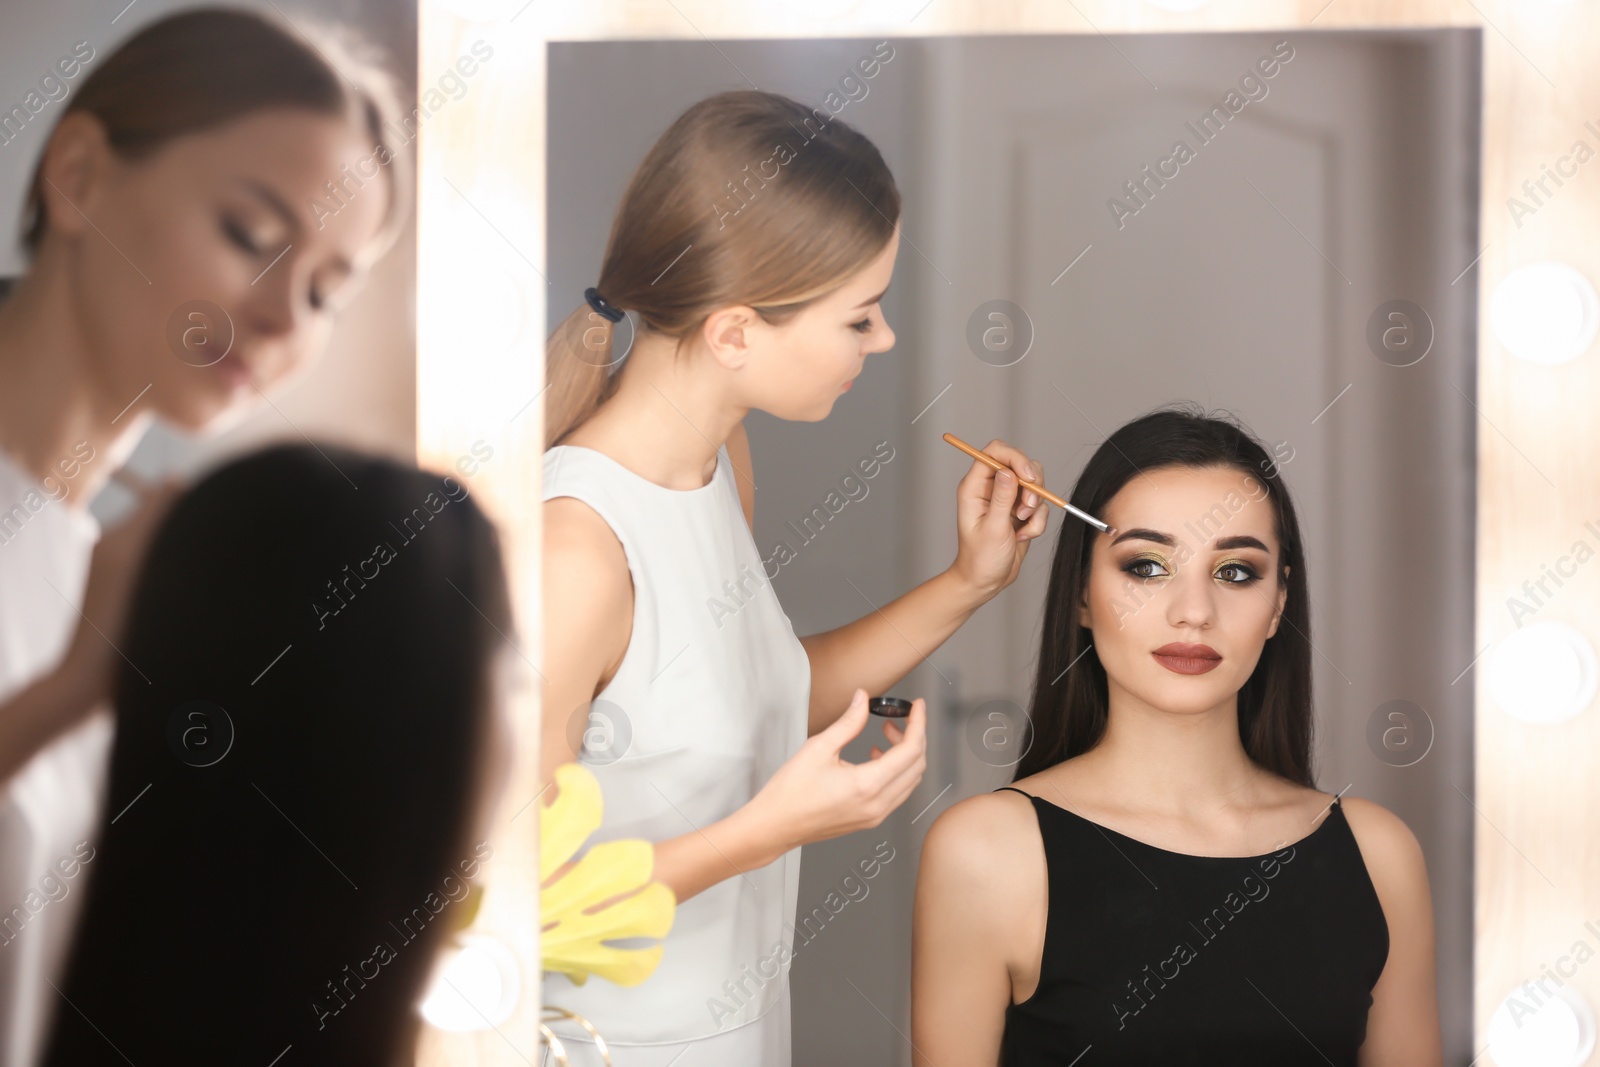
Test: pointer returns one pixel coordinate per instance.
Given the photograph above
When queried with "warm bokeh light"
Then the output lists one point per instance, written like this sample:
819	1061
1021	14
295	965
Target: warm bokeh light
1534	1029
1545	672
476	987
1545	313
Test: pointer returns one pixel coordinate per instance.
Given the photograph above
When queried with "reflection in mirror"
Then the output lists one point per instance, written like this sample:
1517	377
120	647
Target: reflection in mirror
198	203
1271	226
362	393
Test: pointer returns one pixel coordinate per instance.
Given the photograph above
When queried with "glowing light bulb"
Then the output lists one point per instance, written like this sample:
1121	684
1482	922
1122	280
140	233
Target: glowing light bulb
1545	313
475	987
1545	672
1533	1029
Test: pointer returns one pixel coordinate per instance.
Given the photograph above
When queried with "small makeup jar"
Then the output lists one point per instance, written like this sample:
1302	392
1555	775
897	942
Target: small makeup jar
889	707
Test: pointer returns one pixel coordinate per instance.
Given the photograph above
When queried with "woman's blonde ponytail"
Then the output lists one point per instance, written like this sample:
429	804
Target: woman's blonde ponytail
577	368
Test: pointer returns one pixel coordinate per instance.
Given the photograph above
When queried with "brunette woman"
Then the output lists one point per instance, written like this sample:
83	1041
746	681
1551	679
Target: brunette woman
1164	882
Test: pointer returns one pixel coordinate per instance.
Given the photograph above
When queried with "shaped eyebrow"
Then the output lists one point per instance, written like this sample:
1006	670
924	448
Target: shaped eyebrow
874	300
1145	534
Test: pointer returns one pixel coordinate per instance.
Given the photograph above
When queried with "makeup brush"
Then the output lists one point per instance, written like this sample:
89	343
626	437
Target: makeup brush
982	456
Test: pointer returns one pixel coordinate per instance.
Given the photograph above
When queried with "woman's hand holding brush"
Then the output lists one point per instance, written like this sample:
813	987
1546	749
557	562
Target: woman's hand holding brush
996	518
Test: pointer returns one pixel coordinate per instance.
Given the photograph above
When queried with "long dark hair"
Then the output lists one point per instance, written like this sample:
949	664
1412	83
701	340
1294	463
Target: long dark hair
1068	712
775	237
238	891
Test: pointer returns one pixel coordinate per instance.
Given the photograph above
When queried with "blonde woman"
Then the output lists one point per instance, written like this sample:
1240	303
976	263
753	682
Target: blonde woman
717	736
177	176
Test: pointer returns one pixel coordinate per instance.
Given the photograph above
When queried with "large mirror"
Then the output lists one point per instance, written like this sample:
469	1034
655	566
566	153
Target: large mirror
1306	263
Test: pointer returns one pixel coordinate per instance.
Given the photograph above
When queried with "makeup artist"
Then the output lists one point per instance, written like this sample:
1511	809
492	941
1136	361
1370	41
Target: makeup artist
696	723
174	180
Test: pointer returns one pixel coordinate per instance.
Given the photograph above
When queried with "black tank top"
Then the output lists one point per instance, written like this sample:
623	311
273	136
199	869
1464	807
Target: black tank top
1158	957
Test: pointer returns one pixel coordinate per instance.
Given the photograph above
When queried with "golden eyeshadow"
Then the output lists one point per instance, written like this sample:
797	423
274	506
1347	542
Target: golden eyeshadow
1250	570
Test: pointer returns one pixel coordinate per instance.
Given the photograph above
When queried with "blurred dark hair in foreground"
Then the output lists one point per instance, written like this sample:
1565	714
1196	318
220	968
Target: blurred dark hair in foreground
344	613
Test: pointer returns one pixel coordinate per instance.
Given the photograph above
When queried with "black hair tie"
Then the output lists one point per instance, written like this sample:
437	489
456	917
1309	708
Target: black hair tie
601	305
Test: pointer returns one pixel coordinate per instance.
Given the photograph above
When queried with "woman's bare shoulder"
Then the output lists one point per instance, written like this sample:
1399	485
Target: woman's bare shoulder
982	889
587	600
1002	806
982	839
1388	847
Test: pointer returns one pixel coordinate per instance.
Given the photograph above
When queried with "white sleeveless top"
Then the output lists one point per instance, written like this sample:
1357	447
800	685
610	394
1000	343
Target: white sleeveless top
52	804
711	697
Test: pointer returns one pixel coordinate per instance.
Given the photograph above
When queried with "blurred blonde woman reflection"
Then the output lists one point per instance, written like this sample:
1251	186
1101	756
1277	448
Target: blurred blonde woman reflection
702	718
177	176
1164	883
